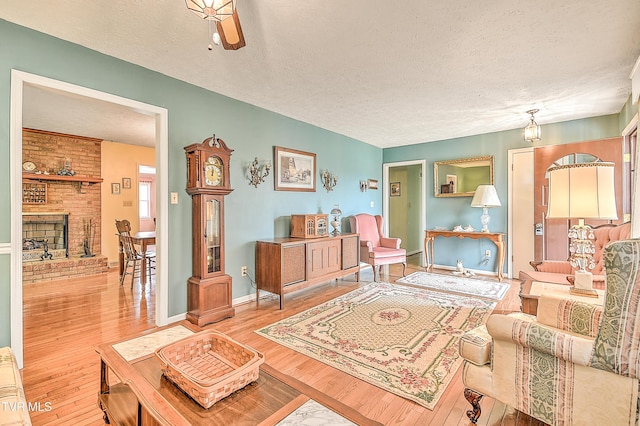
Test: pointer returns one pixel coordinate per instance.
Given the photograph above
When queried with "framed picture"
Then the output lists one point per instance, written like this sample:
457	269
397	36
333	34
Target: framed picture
294	170
452	180
115	188
373	184
395	189
126	183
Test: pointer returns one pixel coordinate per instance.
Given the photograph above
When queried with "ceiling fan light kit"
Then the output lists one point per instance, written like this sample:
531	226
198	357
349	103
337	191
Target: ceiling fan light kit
214	10
223	14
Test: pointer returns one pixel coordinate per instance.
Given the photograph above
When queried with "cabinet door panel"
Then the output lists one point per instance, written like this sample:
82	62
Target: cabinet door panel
323	257
293	261
350	256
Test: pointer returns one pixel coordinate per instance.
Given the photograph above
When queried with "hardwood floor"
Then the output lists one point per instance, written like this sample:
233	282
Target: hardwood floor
65	320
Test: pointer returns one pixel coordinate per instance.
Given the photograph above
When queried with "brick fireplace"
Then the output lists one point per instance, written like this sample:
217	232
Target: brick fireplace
67	210
44	236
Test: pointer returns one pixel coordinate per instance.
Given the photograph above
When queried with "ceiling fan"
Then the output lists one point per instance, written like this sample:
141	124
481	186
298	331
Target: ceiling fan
225	16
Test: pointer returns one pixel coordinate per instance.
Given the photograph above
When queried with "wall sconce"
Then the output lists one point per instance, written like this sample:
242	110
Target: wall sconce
329	181
257	173
363	186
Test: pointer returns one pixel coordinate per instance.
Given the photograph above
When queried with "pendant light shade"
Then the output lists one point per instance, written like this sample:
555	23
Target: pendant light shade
532	132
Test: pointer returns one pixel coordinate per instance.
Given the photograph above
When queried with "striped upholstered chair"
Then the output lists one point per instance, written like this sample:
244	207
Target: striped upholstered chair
574	363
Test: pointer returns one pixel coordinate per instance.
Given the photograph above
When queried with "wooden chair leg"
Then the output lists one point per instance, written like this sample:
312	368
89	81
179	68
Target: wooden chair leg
124	272
404	269
474	399
133	272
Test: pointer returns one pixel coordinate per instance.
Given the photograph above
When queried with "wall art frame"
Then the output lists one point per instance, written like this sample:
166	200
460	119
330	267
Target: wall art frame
294	170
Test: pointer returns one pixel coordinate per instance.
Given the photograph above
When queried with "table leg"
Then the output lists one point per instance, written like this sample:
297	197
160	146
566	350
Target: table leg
428	253
500	245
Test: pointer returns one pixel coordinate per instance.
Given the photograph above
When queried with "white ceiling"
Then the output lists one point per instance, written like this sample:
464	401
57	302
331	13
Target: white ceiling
386	73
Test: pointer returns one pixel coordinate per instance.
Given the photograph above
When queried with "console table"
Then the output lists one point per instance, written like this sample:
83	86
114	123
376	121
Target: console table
284	265
496	237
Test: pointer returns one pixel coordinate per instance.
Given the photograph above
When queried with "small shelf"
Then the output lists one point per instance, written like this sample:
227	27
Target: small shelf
82	179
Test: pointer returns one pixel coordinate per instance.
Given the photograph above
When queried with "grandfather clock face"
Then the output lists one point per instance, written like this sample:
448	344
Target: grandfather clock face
208	167
213	172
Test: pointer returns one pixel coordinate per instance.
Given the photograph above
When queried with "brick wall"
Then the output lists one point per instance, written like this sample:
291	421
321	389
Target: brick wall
50	151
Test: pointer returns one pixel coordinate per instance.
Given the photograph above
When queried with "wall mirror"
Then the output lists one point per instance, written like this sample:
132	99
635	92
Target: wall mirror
460	178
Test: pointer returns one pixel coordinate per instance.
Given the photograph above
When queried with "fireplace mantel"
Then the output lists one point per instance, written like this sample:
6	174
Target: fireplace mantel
76	178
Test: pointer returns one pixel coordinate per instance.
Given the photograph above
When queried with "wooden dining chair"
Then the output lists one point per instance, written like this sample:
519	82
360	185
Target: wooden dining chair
131	256
133	260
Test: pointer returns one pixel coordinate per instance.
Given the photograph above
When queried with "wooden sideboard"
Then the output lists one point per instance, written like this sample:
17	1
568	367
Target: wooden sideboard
284	265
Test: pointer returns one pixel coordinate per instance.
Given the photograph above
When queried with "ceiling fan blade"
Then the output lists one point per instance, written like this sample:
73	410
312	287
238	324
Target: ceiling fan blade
231	32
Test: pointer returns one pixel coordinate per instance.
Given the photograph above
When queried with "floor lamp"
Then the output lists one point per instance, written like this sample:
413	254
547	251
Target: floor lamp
582	191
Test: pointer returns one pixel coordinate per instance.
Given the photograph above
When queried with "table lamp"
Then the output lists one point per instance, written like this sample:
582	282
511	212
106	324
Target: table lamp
485	197
582	191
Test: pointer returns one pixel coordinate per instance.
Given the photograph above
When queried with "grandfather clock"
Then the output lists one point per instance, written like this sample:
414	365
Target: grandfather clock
209	289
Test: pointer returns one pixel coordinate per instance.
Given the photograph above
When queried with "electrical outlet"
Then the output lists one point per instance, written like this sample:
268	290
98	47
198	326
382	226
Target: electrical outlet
487	253
243	271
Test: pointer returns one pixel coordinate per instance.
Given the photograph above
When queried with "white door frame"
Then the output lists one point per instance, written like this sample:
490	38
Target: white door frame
385	192
510	219
18	80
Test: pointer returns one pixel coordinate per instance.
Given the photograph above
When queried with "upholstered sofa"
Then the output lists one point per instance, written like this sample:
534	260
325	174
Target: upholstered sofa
572	364
13	404
561	271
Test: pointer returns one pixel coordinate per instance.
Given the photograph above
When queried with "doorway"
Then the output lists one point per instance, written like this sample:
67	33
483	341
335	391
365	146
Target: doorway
404	208
19	81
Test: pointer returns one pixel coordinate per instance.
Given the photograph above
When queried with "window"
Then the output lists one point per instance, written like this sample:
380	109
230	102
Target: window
145	199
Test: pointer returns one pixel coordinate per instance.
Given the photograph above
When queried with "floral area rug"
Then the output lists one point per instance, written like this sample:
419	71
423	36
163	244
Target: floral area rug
461	285
399	338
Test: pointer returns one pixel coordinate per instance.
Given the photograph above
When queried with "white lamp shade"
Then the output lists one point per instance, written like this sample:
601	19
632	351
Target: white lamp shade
485	196
582	191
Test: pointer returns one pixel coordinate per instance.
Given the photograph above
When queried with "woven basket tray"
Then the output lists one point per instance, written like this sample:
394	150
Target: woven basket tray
209	366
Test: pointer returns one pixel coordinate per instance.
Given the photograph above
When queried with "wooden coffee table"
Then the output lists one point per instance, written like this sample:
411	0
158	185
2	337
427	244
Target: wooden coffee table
530	292
133	391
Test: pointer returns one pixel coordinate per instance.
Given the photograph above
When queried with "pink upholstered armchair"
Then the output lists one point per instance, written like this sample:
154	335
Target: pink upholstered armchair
561	271
375	249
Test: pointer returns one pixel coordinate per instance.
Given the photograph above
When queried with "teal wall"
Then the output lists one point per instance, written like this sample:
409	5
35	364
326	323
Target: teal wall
629	110
194	114
448	212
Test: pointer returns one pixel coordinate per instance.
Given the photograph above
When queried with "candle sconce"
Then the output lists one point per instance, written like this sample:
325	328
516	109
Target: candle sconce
257	173
329	180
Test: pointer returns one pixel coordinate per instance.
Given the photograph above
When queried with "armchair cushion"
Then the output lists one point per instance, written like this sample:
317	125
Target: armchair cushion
616	347
13	404
541	339
569	315
475	346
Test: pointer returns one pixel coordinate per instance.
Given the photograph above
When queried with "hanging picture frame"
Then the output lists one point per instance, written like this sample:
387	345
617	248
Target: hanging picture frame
294	170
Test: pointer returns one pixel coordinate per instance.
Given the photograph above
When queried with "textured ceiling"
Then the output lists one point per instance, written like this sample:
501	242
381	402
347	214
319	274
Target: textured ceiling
386	73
